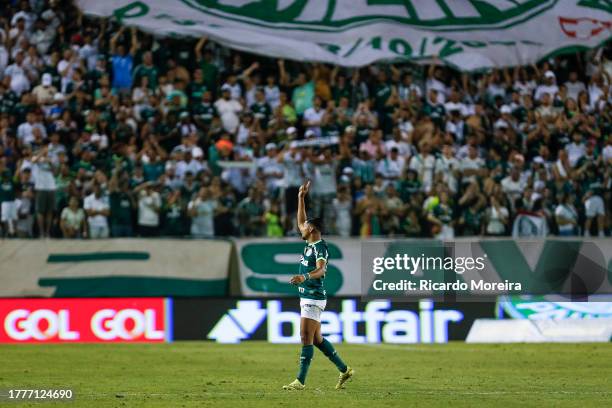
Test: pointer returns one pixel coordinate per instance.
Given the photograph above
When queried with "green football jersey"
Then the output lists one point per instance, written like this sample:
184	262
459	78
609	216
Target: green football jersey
7	191
313	288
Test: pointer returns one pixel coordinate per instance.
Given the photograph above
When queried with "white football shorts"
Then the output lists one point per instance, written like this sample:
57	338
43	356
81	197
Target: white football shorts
8	211
594	206
312	308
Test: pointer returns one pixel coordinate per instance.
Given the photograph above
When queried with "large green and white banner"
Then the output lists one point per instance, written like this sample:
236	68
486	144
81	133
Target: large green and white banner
266	265
469	34
114	268
542	266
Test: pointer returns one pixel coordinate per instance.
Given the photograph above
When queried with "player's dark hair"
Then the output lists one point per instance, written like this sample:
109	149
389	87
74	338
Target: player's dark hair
317	223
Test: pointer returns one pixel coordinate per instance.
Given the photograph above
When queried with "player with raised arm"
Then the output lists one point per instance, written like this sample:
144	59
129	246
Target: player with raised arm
313	299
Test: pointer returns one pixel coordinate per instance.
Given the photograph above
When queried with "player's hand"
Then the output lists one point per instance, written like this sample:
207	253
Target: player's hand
297	279
304	189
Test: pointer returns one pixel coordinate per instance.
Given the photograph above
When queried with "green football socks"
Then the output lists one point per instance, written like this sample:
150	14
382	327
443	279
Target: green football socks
328	349
305	359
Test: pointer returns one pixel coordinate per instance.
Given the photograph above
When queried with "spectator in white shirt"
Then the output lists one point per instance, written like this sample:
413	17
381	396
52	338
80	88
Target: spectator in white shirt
471	166
403	147
234	86
607	152
45	92
392	166
72	220
324	185
202	210
44	186
512	185
272	92
20	81
18	31
66	68
313	116
454	103
97	207
597	91
25	131
185	126
270	169
149	205
455	124
188	164
228	109
291	159
424	164
549	86
496	217
447	167
435	81
574	86
43	36
89	51
407	88
546	110
575	150
4	55
24	14
566	216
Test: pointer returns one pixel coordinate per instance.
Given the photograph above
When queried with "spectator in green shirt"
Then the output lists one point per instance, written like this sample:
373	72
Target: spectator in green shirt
8	208
122	205
197	87
174	220
434	109
272	220
303	94
261	110
210	71
250	214
147	69
472	219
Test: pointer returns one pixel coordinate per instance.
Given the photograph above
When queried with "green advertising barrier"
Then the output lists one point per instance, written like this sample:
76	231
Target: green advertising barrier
473	268
260	267
114	268
265	265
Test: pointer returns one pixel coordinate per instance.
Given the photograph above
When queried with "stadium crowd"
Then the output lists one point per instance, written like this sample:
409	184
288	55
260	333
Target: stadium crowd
108	131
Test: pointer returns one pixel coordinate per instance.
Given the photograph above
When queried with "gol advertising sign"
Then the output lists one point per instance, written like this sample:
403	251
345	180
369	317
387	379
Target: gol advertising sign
85	320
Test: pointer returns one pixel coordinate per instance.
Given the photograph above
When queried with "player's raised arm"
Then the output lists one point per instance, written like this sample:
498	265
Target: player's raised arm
301	212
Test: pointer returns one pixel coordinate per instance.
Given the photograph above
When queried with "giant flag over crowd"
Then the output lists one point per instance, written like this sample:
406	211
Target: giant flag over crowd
467	34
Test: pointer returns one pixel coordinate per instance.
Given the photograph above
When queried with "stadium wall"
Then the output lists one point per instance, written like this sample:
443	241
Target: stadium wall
114	268
345	319
266	265
232	320
277	320
241	267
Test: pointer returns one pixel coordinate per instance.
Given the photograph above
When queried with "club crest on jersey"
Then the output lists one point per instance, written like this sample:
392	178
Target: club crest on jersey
308	251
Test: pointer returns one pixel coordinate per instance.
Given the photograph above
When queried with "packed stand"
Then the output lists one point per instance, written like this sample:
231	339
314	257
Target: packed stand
108	131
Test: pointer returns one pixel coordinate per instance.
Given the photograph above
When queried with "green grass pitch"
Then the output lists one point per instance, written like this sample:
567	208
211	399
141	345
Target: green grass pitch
204	374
